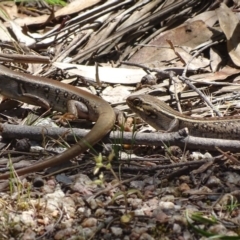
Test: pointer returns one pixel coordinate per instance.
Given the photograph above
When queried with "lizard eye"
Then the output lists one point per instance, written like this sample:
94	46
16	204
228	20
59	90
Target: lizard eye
137	102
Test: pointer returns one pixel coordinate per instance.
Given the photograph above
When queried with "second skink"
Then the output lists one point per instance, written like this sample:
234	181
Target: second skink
159	115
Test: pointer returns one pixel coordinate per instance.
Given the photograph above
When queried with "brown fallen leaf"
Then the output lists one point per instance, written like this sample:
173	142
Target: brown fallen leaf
229	23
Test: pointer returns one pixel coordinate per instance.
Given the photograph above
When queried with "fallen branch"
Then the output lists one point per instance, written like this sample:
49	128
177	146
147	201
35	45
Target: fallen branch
179	138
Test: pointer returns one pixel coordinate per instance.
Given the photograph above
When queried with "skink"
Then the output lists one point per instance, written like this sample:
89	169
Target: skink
52	94
159	115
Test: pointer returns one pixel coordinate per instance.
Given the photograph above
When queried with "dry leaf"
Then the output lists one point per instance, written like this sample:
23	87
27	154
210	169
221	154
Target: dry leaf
229	23
106	74
187	35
